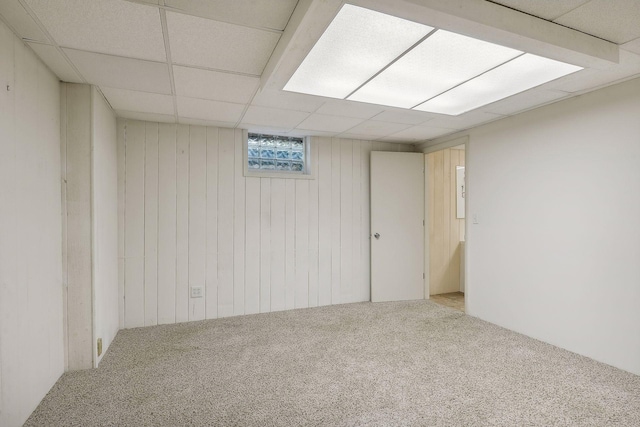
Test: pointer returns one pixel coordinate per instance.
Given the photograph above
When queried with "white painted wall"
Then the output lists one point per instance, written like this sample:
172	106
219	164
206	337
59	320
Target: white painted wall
104	224
556	253
75	108
90	223
188	217
31	310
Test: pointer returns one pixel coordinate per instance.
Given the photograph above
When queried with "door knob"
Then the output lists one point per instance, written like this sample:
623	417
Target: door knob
377	235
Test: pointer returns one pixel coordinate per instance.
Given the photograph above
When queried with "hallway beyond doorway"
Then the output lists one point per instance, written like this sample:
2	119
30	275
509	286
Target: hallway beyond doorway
453	300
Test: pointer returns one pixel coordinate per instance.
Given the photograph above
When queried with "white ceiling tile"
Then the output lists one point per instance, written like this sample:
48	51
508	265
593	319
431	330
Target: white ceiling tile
56	61
632	46
377	129
325	123
419	133
115	27
267	14
349	135
547	9
616	21
22	23
144	102
122	73
463	121
525	101
200	122
398	140
147	117
591	78
409	117
270	130
287	100
307	132
358	110
214	85
275	117
203	109
218	45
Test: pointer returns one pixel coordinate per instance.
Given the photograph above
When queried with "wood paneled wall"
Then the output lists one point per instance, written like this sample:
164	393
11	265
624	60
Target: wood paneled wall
76	147
31	279
189	217
445	230
89	205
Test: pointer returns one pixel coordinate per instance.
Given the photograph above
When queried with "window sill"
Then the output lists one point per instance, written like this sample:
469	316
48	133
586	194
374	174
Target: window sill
267	174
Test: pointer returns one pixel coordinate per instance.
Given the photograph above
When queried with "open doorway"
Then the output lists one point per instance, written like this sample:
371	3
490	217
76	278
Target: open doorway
446	225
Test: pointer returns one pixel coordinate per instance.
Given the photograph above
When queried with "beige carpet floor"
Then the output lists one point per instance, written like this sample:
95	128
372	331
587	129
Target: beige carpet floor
388	364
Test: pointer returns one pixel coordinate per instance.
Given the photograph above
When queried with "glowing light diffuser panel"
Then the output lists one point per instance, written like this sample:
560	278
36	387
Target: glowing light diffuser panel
440	62
524	72
356	45
368	56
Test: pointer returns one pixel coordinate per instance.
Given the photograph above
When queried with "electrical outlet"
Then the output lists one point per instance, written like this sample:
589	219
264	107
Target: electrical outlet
196	292
99	346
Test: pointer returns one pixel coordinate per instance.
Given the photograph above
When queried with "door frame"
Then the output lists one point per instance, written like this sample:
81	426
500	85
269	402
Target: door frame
461	140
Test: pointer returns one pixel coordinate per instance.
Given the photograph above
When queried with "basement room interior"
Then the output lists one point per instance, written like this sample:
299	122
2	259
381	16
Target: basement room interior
319	212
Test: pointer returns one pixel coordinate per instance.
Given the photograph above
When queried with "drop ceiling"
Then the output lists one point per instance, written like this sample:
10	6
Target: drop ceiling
226	62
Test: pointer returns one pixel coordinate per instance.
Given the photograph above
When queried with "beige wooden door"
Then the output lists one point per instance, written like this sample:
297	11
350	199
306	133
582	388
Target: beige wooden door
397	226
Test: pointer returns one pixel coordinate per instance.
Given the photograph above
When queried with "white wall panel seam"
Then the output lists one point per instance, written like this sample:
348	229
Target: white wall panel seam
144	226
92	234
124	232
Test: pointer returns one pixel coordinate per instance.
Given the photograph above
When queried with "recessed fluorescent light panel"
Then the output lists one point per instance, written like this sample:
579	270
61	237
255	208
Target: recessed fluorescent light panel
515	76
358	43
372	57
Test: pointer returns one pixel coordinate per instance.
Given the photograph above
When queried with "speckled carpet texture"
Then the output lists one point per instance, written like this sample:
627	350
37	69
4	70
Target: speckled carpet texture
384	364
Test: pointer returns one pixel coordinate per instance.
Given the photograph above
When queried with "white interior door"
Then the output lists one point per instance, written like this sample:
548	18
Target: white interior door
397	226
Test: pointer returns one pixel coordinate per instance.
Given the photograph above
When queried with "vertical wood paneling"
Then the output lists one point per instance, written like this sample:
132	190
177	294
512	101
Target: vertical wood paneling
336	249
453	272
437	269
10	211
211	291
289	246
167	223
325	221
79	201
461	224
265	245
134	224
278	203
238	227
197	218
182	224
226	153
121	208
444	227
431	164
313	228
346	220
252	246
32	356
301	299
365	262
356	229
446	207
151	225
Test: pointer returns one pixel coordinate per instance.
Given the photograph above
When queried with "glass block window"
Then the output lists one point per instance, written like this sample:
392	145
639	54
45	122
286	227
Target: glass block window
275	153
